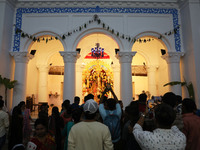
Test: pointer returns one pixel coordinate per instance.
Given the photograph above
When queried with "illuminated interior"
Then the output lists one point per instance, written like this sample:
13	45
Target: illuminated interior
92	74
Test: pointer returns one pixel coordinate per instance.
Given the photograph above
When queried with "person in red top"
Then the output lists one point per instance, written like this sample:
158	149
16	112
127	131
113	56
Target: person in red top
42	140
191	122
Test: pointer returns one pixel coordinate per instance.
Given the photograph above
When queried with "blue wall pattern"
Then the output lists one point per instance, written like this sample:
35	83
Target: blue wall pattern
21	11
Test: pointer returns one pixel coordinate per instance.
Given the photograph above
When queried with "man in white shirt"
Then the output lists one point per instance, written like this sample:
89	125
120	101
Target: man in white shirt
90	134
4	124
165	137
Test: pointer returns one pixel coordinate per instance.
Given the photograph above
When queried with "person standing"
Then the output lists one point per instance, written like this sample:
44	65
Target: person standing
165	136
4	107
55	125
27	130
191	122
75	105
76	115
16	128
111	113
41	140
4	124
90	134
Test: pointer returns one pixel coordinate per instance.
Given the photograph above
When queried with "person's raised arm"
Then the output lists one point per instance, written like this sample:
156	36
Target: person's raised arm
113	93
103	95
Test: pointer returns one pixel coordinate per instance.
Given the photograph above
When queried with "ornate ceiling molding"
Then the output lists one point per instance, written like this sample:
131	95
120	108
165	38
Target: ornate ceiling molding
12	3
105	3
92	10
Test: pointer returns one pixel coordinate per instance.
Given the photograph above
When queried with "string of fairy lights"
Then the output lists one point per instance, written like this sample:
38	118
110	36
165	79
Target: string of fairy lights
97	20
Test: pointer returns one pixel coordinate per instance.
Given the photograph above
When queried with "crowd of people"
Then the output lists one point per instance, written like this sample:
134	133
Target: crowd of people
169	123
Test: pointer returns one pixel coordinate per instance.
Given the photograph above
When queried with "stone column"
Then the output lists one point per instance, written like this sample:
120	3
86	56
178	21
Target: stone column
21	61
116	73
173	61
69	74
151	71
42	87
125	59
78	90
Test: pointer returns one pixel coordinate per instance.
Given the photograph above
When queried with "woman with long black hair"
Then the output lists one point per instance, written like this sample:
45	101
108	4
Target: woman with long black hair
55	126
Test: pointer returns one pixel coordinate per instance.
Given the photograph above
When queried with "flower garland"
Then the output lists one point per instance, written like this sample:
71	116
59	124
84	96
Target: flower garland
99	22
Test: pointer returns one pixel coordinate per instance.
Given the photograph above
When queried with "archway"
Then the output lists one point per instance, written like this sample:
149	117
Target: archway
45	71
149	70
87	66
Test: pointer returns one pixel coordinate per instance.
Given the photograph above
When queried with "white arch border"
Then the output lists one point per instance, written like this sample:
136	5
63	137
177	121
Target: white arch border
96	30
154	34
29	42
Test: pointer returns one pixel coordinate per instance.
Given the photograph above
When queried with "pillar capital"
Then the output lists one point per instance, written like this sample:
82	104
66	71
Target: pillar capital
42	68
70	57
173	57
125	57
21	57
173	61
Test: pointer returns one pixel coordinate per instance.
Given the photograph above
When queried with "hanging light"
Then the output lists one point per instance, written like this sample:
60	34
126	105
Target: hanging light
97	52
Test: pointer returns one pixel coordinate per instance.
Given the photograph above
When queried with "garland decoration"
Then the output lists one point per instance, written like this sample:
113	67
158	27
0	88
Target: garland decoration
99	22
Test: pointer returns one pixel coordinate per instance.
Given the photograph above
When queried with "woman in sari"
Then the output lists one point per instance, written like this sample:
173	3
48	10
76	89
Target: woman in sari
27	130
42	140
76	115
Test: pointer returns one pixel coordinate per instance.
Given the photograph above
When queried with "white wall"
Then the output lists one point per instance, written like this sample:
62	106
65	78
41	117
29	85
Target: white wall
6	28
130	24
191	32
150	54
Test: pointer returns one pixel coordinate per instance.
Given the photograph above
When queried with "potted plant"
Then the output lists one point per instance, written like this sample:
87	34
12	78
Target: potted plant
8	84
189	87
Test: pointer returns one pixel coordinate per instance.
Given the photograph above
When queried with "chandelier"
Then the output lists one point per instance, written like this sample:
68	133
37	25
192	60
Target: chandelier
97	52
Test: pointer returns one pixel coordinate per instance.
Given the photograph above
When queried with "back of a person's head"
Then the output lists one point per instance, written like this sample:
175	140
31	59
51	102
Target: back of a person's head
69	110
133	110
21	104
76	99
133	104
188	105
16	111
111	103
76	115
66	103
170	99
179	99
90	109
142	97
55	111
164	115
85	99
90	96
1	103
